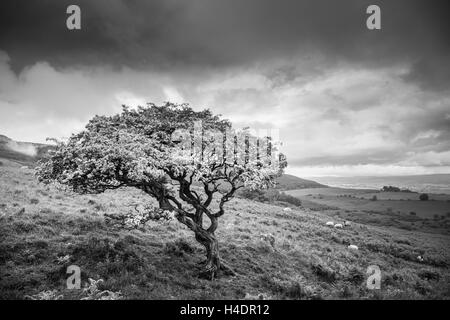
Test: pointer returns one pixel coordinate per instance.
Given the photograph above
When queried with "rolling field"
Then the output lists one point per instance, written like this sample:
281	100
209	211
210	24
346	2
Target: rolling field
43	230
434	214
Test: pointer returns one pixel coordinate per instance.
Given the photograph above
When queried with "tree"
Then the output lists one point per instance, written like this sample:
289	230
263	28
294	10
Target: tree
191	170
390	189
423	197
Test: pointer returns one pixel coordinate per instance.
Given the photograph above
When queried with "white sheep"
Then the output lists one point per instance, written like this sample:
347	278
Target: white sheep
330	223
353	247
420	258
347	223
287	209
338	225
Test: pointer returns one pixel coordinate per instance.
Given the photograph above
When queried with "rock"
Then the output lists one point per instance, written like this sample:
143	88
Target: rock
260	296
287	209
269	238
353	247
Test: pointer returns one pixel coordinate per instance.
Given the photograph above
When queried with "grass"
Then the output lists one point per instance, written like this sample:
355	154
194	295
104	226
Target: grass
307	260
386	209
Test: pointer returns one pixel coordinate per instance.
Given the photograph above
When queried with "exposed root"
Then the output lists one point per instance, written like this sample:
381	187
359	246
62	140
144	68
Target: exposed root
211	272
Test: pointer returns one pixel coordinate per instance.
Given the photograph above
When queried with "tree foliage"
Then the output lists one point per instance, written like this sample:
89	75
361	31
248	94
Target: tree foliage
423	197
158	150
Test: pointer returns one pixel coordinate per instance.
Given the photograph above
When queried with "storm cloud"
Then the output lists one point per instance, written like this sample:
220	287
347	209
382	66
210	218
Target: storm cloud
343	96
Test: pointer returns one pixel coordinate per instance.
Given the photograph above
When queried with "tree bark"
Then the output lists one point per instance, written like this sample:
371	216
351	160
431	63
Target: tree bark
205	237
212	264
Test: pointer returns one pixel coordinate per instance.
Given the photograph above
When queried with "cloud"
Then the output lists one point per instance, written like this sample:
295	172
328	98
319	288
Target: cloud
324	121
366	170
173	95
42	101
171	34
345	99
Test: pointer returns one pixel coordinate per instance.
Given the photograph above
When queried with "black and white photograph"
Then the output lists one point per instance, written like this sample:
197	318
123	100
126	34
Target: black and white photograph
226	150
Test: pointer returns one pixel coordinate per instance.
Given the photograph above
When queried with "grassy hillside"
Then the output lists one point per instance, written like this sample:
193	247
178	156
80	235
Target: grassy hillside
290	182
25	153
43	230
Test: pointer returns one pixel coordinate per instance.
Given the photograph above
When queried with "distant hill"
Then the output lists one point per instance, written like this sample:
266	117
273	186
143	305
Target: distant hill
432	183
290	182
22	152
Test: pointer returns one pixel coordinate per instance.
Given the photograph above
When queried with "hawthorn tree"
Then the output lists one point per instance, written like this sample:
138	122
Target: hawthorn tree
191	162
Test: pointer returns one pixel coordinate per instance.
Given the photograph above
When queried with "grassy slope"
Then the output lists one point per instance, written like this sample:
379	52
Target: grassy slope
309	260
290	182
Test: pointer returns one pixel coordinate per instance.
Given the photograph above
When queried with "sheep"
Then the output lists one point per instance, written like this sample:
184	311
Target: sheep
338	225
287	209
420	258
353	247
347	223
330	223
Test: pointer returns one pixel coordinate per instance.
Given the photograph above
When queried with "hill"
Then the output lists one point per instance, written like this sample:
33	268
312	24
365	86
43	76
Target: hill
433	183
290	182
43	230
26	153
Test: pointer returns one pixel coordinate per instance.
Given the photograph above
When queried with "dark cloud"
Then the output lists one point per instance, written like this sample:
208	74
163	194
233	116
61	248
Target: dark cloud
114	32
340	94
215	33
431	74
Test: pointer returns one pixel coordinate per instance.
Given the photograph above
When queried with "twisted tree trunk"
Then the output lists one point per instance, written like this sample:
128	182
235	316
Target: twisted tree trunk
205	237
212	263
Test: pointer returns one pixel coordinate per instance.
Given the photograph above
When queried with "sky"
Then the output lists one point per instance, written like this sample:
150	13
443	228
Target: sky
346	100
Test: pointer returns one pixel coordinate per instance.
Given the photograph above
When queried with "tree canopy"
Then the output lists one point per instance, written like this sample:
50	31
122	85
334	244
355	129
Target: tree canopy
185	159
